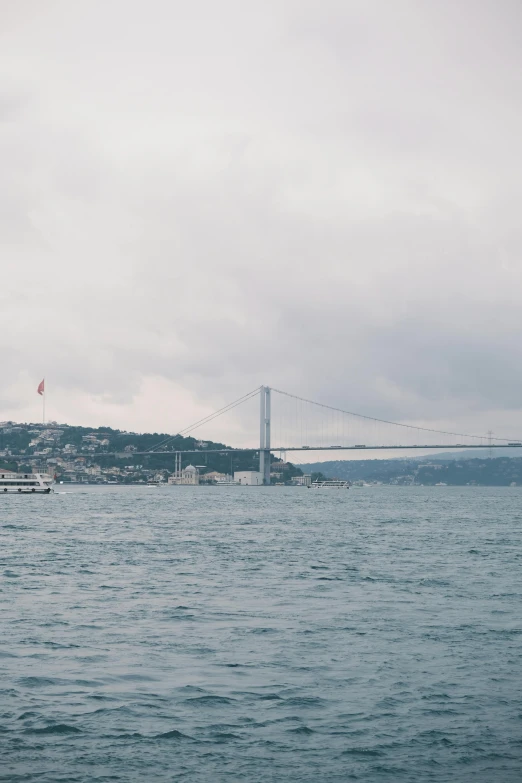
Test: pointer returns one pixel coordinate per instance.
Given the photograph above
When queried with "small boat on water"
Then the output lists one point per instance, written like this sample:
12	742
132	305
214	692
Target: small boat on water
25	483
330	484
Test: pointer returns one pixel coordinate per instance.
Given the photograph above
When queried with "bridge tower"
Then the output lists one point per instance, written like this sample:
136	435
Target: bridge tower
264	440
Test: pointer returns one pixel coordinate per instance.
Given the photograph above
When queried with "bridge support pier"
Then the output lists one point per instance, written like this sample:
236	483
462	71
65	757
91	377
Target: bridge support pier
264	440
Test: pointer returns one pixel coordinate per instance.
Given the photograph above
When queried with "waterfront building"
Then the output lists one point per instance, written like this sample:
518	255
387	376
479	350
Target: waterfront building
188	476
302	481
212	477
251	478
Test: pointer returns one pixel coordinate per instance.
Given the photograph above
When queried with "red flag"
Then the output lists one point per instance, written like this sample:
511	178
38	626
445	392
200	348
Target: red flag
41	387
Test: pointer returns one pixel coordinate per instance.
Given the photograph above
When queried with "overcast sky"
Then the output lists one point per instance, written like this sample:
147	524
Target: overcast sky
318	195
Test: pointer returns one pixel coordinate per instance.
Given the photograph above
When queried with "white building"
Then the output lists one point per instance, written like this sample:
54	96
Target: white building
190	475
250	478
302	481
213	476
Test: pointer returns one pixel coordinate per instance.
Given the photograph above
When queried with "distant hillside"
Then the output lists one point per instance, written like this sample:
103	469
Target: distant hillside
499	471
449	456
103	454
354	470
78	453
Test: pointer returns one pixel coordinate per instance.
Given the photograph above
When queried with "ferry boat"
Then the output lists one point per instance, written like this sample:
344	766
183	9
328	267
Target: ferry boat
330	484
25	483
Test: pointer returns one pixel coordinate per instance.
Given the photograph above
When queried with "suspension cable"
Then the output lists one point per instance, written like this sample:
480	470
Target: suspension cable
384	421
206	419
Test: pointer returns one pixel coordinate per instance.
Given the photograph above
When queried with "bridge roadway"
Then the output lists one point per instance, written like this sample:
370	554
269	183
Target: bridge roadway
312	448
360	448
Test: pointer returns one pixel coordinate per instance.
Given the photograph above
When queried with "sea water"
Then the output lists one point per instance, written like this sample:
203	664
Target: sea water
261	634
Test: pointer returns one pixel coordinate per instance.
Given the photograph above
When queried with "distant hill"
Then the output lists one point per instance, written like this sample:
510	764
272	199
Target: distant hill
97	454
449	456
94	454
498	471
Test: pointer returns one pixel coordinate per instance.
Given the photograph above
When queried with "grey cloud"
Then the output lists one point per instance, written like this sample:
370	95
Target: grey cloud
321	196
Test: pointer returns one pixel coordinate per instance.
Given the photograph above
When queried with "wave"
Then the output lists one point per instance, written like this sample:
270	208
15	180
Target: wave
174	734
57	728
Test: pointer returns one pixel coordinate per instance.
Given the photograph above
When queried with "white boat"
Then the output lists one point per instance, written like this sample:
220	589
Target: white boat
25	483
330	484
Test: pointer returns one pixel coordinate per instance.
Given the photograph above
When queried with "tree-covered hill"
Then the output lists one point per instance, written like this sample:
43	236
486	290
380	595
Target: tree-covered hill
500	471
72	450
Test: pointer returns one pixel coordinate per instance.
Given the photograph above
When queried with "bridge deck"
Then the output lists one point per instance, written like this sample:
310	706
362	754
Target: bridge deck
250	450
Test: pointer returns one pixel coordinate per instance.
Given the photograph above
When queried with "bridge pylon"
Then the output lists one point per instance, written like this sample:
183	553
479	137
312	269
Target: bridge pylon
264	439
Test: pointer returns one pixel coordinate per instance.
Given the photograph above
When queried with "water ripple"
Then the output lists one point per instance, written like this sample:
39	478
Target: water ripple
221	635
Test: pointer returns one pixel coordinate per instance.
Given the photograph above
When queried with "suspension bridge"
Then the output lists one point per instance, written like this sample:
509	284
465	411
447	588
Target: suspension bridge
289	423
300	424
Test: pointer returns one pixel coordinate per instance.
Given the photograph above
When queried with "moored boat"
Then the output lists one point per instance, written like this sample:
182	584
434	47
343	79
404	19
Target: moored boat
330	484
25	483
